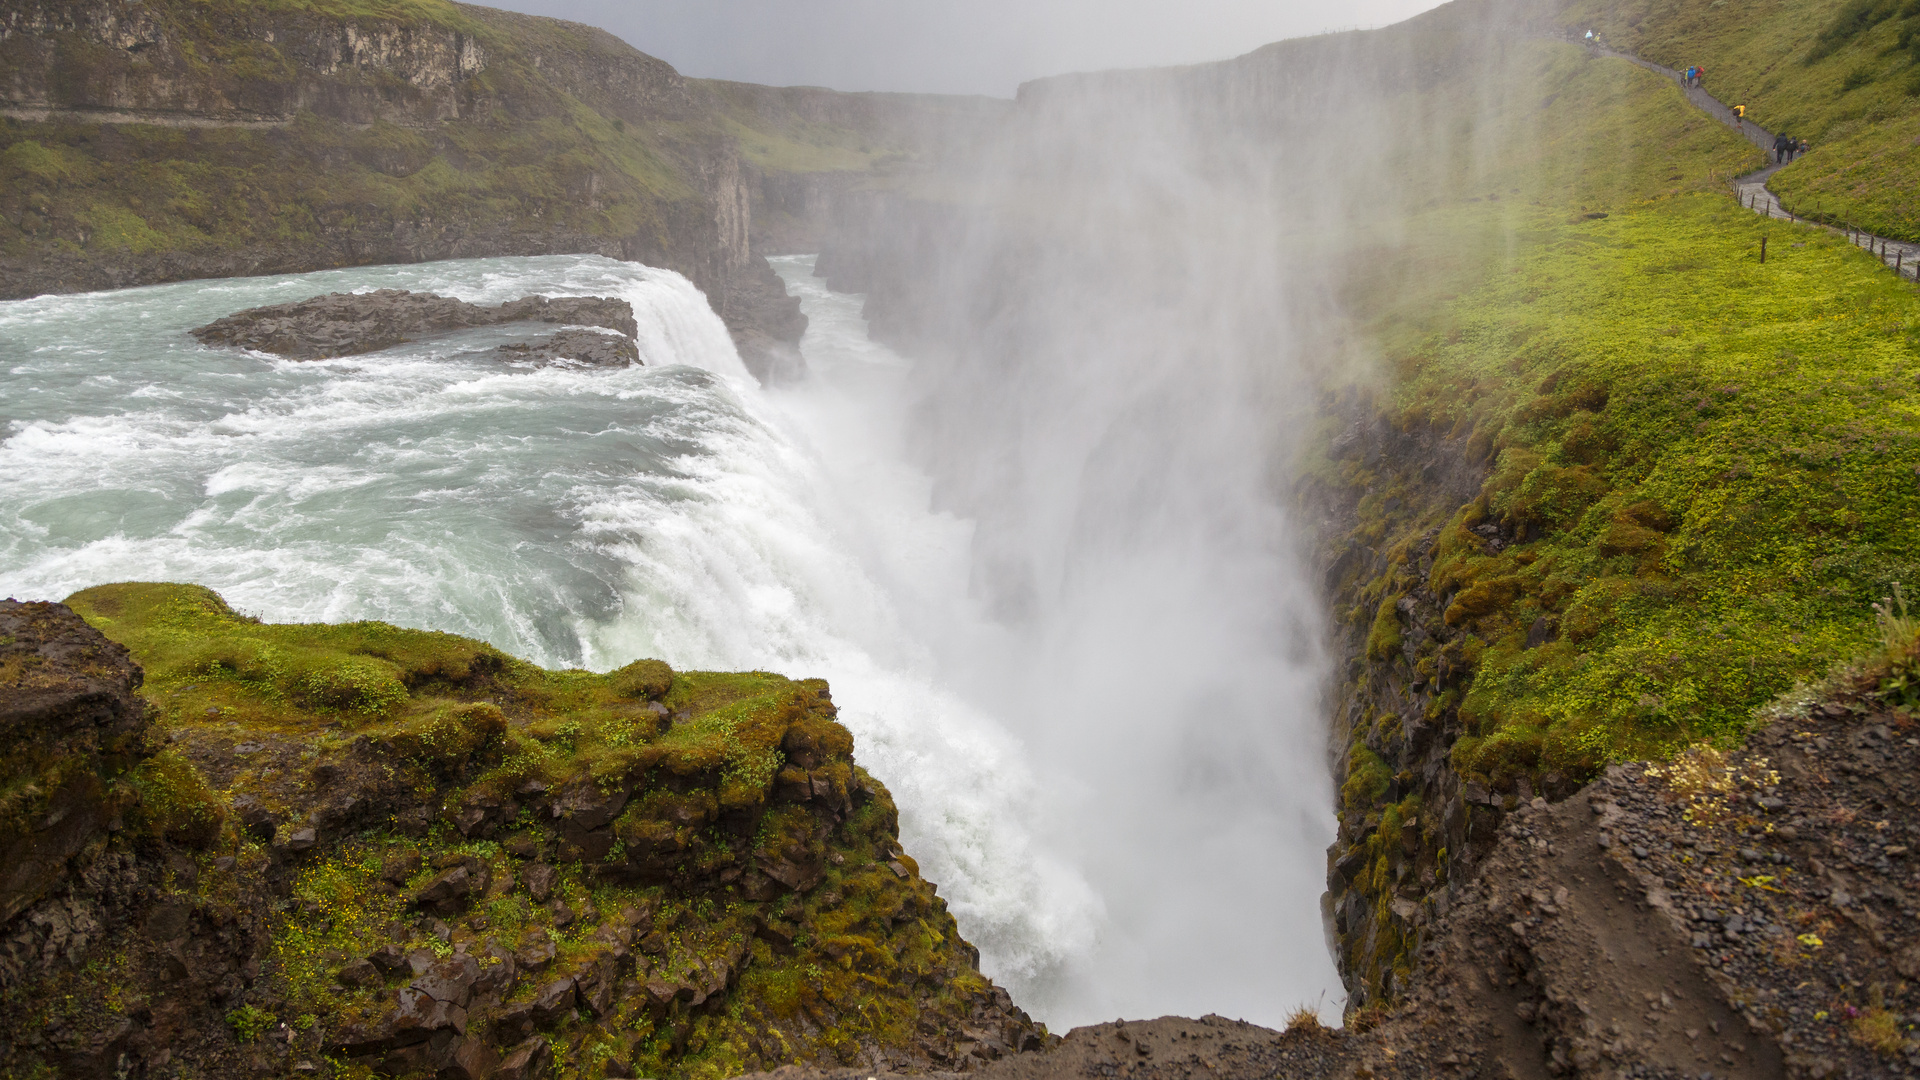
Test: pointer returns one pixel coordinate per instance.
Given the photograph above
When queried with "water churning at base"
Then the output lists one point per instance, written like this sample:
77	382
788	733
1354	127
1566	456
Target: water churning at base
1117	781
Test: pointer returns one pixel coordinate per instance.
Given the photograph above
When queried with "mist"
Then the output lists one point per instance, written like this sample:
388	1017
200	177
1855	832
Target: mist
1129	310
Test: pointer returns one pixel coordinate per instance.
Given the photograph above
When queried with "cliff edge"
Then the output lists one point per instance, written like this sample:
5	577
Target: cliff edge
359	850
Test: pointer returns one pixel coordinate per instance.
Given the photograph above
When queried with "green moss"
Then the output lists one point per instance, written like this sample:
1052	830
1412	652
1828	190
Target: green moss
1367	778
174	801
714	797
1383	640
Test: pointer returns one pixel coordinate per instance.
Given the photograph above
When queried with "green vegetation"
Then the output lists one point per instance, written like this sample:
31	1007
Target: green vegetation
712	826
1716	458
1843	74
1698	468
546	151
1705	463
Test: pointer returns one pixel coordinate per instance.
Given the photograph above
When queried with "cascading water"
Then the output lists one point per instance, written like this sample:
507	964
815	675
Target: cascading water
570	516
1077	780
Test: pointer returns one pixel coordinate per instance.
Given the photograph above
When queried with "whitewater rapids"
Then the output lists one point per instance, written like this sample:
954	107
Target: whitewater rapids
581	517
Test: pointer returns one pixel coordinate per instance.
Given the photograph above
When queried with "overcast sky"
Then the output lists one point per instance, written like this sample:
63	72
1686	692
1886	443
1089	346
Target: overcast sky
952	46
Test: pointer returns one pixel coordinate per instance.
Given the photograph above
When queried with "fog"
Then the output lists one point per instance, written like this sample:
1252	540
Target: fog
980	48
1127	308
1124	306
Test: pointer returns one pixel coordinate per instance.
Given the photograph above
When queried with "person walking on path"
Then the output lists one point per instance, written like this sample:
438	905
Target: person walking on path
1740	117
1802	148
1779	149
1699	75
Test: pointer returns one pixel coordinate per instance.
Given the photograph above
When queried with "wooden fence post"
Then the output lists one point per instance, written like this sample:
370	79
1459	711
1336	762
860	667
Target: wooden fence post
1763	247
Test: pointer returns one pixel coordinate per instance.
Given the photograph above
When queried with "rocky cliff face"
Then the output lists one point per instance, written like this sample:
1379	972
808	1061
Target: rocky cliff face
360	850
152	142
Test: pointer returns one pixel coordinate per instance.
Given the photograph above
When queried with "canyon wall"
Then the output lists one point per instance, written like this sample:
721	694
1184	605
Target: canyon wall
154	142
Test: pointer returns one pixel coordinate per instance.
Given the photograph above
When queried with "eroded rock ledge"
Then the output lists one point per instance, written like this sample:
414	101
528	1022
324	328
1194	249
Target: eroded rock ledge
348	324
360	850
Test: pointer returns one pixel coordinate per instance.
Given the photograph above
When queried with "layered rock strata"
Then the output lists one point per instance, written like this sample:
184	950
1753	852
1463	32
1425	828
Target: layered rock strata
162	141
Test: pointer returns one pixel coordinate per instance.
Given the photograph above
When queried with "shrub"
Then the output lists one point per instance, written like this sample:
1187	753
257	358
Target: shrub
249	1022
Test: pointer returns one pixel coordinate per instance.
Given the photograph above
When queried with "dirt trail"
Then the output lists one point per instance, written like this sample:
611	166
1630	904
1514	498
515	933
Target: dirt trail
1751	189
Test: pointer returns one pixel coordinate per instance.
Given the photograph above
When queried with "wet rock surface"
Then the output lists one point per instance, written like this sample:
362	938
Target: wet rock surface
347	324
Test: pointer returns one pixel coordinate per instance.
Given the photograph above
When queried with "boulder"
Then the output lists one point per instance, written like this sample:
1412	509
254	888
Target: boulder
526	1061
591	348
415	1018
554	1000
70	722
389	958
594	983
449	891
256	819
451	980
482	811
358	973
536	953
581	806
540	878
472	1059
400	866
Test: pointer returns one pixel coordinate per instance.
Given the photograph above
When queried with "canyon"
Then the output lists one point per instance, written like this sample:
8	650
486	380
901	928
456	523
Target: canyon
1320	317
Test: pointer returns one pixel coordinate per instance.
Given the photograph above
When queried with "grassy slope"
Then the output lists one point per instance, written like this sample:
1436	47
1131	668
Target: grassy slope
1708	464
1716	457
1843	74
455	717
545	162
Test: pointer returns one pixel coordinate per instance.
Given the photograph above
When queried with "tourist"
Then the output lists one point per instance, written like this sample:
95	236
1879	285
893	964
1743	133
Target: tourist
1779	149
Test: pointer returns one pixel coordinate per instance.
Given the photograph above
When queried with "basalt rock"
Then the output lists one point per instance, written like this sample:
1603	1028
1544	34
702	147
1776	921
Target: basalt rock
347	324
71	724
622	914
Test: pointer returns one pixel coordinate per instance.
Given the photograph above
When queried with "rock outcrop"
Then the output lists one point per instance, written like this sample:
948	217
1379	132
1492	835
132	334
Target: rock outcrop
72	726
1746	914
406	853
347	324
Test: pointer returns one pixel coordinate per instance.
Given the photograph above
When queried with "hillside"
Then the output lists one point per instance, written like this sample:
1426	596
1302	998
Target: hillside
158	141
1590	483
1842	74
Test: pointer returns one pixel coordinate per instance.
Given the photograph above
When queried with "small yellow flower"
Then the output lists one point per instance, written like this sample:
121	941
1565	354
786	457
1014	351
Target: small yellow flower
1811	941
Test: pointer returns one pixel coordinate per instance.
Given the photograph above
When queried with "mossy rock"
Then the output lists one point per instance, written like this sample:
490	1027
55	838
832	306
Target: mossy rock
726	892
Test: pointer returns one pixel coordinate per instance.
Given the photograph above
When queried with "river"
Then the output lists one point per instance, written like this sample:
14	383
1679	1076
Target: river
583	517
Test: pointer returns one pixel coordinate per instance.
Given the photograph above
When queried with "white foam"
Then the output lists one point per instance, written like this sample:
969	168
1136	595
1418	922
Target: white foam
572	516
